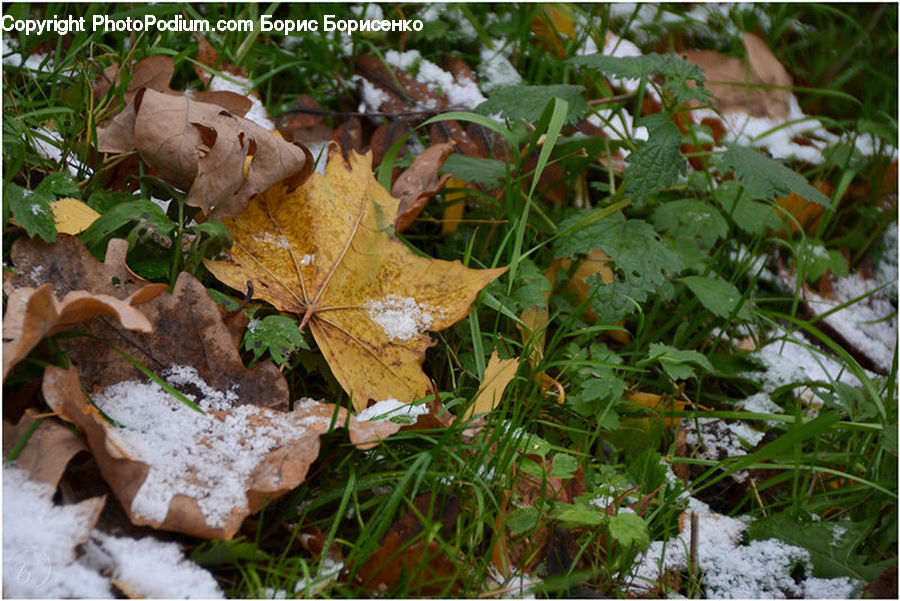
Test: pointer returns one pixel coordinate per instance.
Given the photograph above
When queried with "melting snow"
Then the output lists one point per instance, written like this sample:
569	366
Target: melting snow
164	433
272	239
760	569
389	409
401	317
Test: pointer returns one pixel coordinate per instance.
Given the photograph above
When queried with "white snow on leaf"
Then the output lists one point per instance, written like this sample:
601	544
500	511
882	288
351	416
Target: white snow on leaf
218	451
401	317
496	71
181	376
40	540
390	409
147	568
459	94
272	239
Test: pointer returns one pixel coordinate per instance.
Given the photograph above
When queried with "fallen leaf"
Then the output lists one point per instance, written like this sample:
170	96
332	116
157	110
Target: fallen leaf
33	314
72	216
176	469
187	325
737	88
419	183
200	147
327	251
48	450
497	376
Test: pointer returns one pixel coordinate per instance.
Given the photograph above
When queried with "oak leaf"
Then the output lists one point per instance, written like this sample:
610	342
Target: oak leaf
327	250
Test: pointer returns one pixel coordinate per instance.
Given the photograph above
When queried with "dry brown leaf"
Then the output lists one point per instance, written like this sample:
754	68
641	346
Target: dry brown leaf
404	92
48	450
187	326
32	314
196	474
497	376
200	147
419	183
326	250
740	88
89	292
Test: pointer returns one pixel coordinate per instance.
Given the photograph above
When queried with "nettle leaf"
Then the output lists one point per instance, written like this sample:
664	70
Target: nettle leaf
277	335
658	162
475	169
691	219
750	215
528	102
522	520
677	71
832	546
580	514
529	292
31	210
564	466
676	362
765	178
719	296
59	183
629	529
643	261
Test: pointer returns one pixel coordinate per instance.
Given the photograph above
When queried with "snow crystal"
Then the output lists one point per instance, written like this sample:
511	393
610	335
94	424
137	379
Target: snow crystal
241	85
717	439
307	259
496	71
760	569
150	568
861	323
372	96
165	434
39	541
389	409
401	317
36	275
187	375
272	240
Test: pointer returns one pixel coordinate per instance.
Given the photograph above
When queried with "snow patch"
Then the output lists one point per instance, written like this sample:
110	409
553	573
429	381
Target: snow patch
272	240
496	71
389	409
401	317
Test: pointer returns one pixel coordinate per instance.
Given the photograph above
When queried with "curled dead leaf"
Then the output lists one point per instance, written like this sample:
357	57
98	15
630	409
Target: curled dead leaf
48	450
419	183
326	251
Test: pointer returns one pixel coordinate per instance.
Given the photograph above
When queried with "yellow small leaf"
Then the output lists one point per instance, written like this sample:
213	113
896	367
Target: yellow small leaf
455	206
497	376
72	216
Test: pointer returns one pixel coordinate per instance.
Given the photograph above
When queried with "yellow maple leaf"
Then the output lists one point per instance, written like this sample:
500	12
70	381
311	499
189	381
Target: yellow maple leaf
327	251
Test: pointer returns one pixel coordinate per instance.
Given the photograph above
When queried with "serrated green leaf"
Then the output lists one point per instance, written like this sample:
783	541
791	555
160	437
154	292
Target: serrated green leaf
31	210
676	70
717	295
563	466
765	178
475	169
59	183
691	219
676	362
580	515
831	545
657	163
629	529
528	102
277	335
522	520
642	259
751	216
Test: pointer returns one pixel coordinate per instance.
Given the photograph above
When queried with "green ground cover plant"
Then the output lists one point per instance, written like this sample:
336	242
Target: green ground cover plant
663	296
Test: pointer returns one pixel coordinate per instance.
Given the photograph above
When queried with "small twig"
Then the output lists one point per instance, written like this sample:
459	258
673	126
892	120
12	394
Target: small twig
612	99
244	303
